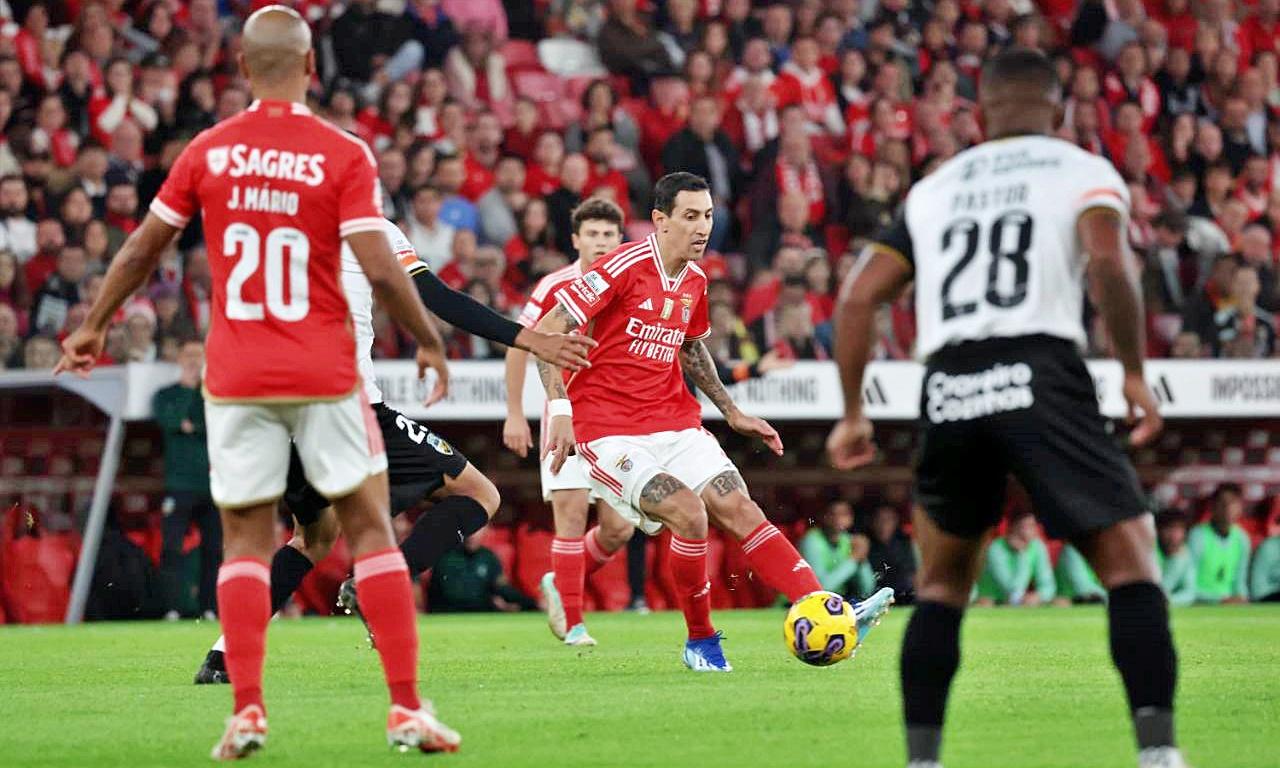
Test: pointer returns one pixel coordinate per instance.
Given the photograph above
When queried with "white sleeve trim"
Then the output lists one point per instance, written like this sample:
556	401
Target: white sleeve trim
366	224
562	296
168	215
702	335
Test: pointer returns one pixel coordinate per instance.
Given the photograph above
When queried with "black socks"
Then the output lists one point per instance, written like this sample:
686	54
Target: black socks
1142	649
441	529
930	657
288	568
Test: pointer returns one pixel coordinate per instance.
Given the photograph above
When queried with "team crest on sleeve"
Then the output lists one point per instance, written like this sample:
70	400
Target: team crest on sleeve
596	282
216	159
440	444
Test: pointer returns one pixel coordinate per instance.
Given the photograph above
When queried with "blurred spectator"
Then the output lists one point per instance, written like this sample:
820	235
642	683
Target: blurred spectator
891	555
60	291
1171	267
17	230
1213	296
481	161
10	339
1220	549
140	333
701	147
393	169
1077	582
795	338
118	104
431	237
1264	581
366	42
179	411
471	579
41	353
1017	569
499	206
455	210
839	557
13	286
629	45
1243	328
790	229
603	179
802	81
1177	567
575	173
730	341
477	72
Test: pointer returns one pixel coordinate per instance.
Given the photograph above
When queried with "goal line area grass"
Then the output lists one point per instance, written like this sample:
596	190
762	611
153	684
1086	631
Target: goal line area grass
1036	689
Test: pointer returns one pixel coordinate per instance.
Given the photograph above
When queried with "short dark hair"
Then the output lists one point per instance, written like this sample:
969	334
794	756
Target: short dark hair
671	185
1171	220
1022	66
1226	488
595	209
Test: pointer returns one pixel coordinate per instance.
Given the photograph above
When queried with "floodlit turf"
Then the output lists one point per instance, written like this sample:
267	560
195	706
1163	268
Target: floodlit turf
1037	689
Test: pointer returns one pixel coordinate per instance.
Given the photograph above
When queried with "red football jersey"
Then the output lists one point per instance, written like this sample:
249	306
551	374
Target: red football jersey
278	189
641	317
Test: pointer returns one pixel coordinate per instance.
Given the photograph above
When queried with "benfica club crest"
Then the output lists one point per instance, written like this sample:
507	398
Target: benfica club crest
216	158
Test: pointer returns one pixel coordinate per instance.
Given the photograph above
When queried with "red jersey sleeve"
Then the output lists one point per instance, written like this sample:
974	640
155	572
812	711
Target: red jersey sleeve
700	321
360	201
531	314
586	296
176	202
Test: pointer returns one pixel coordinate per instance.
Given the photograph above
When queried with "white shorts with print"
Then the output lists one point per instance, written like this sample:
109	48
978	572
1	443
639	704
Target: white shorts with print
338	441
619	467
571	477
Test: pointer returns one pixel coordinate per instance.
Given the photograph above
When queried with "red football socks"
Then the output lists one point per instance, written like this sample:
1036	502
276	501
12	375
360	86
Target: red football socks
568	564
596	557
689	572
244	608
386	600
778	563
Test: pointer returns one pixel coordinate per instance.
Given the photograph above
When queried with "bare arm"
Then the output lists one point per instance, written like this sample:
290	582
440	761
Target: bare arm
517	363
877	278
698	364
557	320
129	270
558	441
1114	283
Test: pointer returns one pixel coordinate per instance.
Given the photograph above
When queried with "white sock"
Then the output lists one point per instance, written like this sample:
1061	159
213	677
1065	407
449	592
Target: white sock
221	645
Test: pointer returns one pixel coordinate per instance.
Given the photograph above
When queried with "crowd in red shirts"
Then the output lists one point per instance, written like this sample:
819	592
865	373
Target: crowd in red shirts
492	119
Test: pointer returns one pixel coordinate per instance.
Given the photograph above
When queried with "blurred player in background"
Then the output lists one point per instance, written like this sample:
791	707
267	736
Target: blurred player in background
1006	390
576	552
639	428
279	191
420	463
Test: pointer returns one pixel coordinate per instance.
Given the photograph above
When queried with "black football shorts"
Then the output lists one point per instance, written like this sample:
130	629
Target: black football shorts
1023	405
418	460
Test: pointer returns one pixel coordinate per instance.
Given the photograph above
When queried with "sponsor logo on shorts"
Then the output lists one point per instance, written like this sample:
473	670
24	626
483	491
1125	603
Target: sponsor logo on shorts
624	463
964	397
441	445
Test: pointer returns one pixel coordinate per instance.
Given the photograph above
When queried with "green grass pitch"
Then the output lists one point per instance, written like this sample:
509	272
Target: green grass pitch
1036	690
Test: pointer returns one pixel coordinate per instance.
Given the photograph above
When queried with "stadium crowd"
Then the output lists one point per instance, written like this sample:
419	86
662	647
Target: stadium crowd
491	119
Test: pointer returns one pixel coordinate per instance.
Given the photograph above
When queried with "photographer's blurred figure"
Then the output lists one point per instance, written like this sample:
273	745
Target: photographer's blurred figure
471	579
839	557
179	410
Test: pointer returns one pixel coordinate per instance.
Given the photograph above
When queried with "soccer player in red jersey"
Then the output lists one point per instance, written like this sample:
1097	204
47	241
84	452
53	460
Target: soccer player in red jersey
638	426
279	191
576	552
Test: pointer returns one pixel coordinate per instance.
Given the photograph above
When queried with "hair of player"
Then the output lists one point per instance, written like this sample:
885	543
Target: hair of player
1023	68
595	209
276	42
671	185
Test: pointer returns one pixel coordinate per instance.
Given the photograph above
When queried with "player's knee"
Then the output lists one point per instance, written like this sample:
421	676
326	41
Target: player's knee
614	532
685	514
473	484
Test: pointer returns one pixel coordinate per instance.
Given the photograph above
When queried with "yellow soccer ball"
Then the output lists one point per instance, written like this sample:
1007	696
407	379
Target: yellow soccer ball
821	629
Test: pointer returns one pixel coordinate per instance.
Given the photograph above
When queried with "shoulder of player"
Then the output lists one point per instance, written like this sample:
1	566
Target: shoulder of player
553	280
624	258
698	274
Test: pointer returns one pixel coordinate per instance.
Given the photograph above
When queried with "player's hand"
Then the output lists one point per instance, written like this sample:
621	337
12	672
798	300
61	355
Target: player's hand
751	426
434	359
568	351
516	435
80	352
850	443
559	443
1143	410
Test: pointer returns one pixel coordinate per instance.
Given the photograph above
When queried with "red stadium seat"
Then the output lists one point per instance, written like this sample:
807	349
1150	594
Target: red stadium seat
520	55
533	558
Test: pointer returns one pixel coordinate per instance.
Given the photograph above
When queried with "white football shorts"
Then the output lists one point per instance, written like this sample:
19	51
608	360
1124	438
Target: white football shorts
338	441
619	467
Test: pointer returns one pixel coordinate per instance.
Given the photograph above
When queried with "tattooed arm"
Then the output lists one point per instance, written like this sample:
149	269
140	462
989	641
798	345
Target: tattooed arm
698	365
559	442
